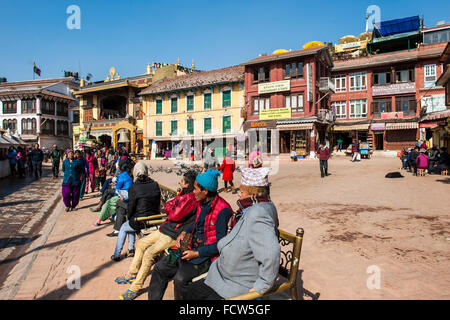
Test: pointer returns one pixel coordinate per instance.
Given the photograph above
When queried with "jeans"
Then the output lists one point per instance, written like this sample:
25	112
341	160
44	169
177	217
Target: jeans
339	146
106	185
55	169
323	168
37	169
404	166
125	230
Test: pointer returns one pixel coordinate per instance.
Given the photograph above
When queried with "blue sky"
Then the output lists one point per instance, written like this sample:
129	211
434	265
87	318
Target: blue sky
128	34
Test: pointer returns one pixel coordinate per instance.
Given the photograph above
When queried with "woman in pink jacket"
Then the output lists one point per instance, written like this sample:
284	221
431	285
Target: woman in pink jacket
92	164
422	159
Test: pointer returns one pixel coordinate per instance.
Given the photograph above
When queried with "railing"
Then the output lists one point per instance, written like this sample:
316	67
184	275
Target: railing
325	84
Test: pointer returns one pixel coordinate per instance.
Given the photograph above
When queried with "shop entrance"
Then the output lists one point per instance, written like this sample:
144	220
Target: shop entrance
378	140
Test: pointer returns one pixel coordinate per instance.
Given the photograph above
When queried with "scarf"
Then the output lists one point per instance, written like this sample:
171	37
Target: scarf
244	204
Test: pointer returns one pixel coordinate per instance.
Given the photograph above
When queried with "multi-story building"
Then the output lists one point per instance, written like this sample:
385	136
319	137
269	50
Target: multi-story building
37	110
287	98
199	110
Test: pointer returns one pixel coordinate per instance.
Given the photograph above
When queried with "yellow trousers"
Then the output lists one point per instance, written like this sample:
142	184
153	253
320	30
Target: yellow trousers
147	249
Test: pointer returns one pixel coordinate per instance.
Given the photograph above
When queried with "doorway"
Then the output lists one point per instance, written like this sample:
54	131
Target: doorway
379	143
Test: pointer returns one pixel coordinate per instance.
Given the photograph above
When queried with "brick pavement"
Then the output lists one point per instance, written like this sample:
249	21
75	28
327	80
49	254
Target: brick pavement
353	219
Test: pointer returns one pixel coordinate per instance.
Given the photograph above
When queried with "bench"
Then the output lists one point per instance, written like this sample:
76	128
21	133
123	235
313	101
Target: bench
444	173
421	172
291	247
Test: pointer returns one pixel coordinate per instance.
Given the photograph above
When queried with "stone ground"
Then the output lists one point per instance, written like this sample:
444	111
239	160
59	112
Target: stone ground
355	221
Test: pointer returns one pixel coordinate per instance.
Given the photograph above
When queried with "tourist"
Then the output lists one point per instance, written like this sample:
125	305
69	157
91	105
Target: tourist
55	155
37	156
12	153
324	155
180	213
412	160
228	166
92	165
210	226
422	160
211	161
144	198
443	162
339	143
73	172
250	254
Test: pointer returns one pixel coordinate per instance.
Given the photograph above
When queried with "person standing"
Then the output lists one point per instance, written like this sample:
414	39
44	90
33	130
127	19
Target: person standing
73	173
211	161
412	160
92	165
255	153
324	155
355	151
56	155
228	166
85	174
339	143
12	153
37	156
20	159
211	225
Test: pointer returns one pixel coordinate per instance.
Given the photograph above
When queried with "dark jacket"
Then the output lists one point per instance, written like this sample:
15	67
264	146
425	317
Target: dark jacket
444	160
324	154
56	155
144	199
36	155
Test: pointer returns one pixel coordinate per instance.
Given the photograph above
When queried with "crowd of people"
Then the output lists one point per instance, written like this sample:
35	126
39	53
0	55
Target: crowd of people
432	160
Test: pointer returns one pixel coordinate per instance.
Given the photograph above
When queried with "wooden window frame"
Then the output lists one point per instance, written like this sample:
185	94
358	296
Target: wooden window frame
223	124
210	125
355	115
190	107
26	110
209	94
299	66
340	104
298	97
9	107
158	123
158	103
172	105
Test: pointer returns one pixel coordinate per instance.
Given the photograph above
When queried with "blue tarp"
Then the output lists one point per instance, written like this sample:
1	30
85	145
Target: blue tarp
396	26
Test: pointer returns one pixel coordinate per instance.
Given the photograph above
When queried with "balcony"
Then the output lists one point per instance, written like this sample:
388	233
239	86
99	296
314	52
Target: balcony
326	115
326	85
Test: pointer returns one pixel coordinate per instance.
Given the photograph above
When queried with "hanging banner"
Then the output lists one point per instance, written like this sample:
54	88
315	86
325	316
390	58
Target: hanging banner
276	86
275	113
309	83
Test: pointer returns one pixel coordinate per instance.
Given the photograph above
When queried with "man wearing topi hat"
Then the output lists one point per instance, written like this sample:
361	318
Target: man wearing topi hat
250	253
211	223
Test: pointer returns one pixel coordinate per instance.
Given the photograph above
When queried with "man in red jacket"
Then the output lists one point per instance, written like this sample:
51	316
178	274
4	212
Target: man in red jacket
324	155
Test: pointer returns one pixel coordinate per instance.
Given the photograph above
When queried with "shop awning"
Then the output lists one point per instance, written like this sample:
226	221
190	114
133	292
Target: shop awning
295	126
430	125
363	126
402	125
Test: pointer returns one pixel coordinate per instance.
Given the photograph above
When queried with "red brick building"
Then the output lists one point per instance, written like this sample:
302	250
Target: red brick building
382	98
288	94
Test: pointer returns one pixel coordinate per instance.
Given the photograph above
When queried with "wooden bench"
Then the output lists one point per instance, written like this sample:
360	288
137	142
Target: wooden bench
291	247
421	172
444	173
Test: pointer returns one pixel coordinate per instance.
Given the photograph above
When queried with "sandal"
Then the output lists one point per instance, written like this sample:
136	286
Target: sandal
124	279
114	258
129	295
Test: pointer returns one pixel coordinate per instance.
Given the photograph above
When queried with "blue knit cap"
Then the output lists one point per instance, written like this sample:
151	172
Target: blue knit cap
208	179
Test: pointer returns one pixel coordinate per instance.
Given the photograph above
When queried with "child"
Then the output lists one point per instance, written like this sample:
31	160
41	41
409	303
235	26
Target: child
228	166
293	155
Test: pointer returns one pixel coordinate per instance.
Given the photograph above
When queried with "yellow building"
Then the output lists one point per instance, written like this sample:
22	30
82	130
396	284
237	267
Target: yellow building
111	111
199	110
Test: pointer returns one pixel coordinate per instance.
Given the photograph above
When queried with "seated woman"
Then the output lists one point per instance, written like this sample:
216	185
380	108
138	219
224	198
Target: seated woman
144	199
250	254
123	183
180	213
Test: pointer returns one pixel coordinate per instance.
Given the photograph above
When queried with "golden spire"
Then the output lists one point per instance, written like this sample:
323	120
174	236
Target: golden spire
178	61
149	69
193	65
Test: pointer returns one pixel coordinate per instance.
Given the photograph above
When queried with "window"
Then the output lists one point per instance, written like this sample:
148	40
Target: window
207	101
340	109
381	105
47	107
358	108
88	115
226	98
62	128
174	127
260	103
158	128
62	109
207	125
48	126
76	116
138	112
226	124
406	104
28	106
190	126
430	73
382	77
173	105
189	103
28	126
437	36
10	124
293	70
158	109
295	102
340	83
404	75
261	74
357	81
9	107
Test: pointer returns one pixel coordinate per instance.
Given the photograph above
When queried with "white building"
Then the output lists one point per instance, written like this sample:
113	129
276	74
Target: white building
38	110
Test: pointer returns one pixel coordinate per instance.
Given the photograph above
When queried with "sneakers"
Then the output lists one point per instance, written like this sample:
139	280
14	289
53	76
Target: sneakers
112	234
129	295
124	279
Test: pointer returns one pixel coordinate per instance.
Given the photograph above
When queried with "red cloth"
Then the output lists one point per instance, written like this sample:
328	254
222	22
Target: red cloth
423	146
228	166
179	207
324	154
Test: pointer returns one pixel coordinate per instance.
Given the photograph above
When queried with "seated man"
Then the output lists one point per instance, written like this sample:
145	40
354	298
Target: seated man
250	254
443	162
180	214
212	215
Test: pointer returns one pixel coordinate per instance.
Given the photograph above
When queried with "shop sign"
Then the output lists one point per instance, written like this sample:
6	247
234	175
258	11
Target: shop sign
434	103
309	84
391	115
378	126
395	88
351	45
275	113
276	86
